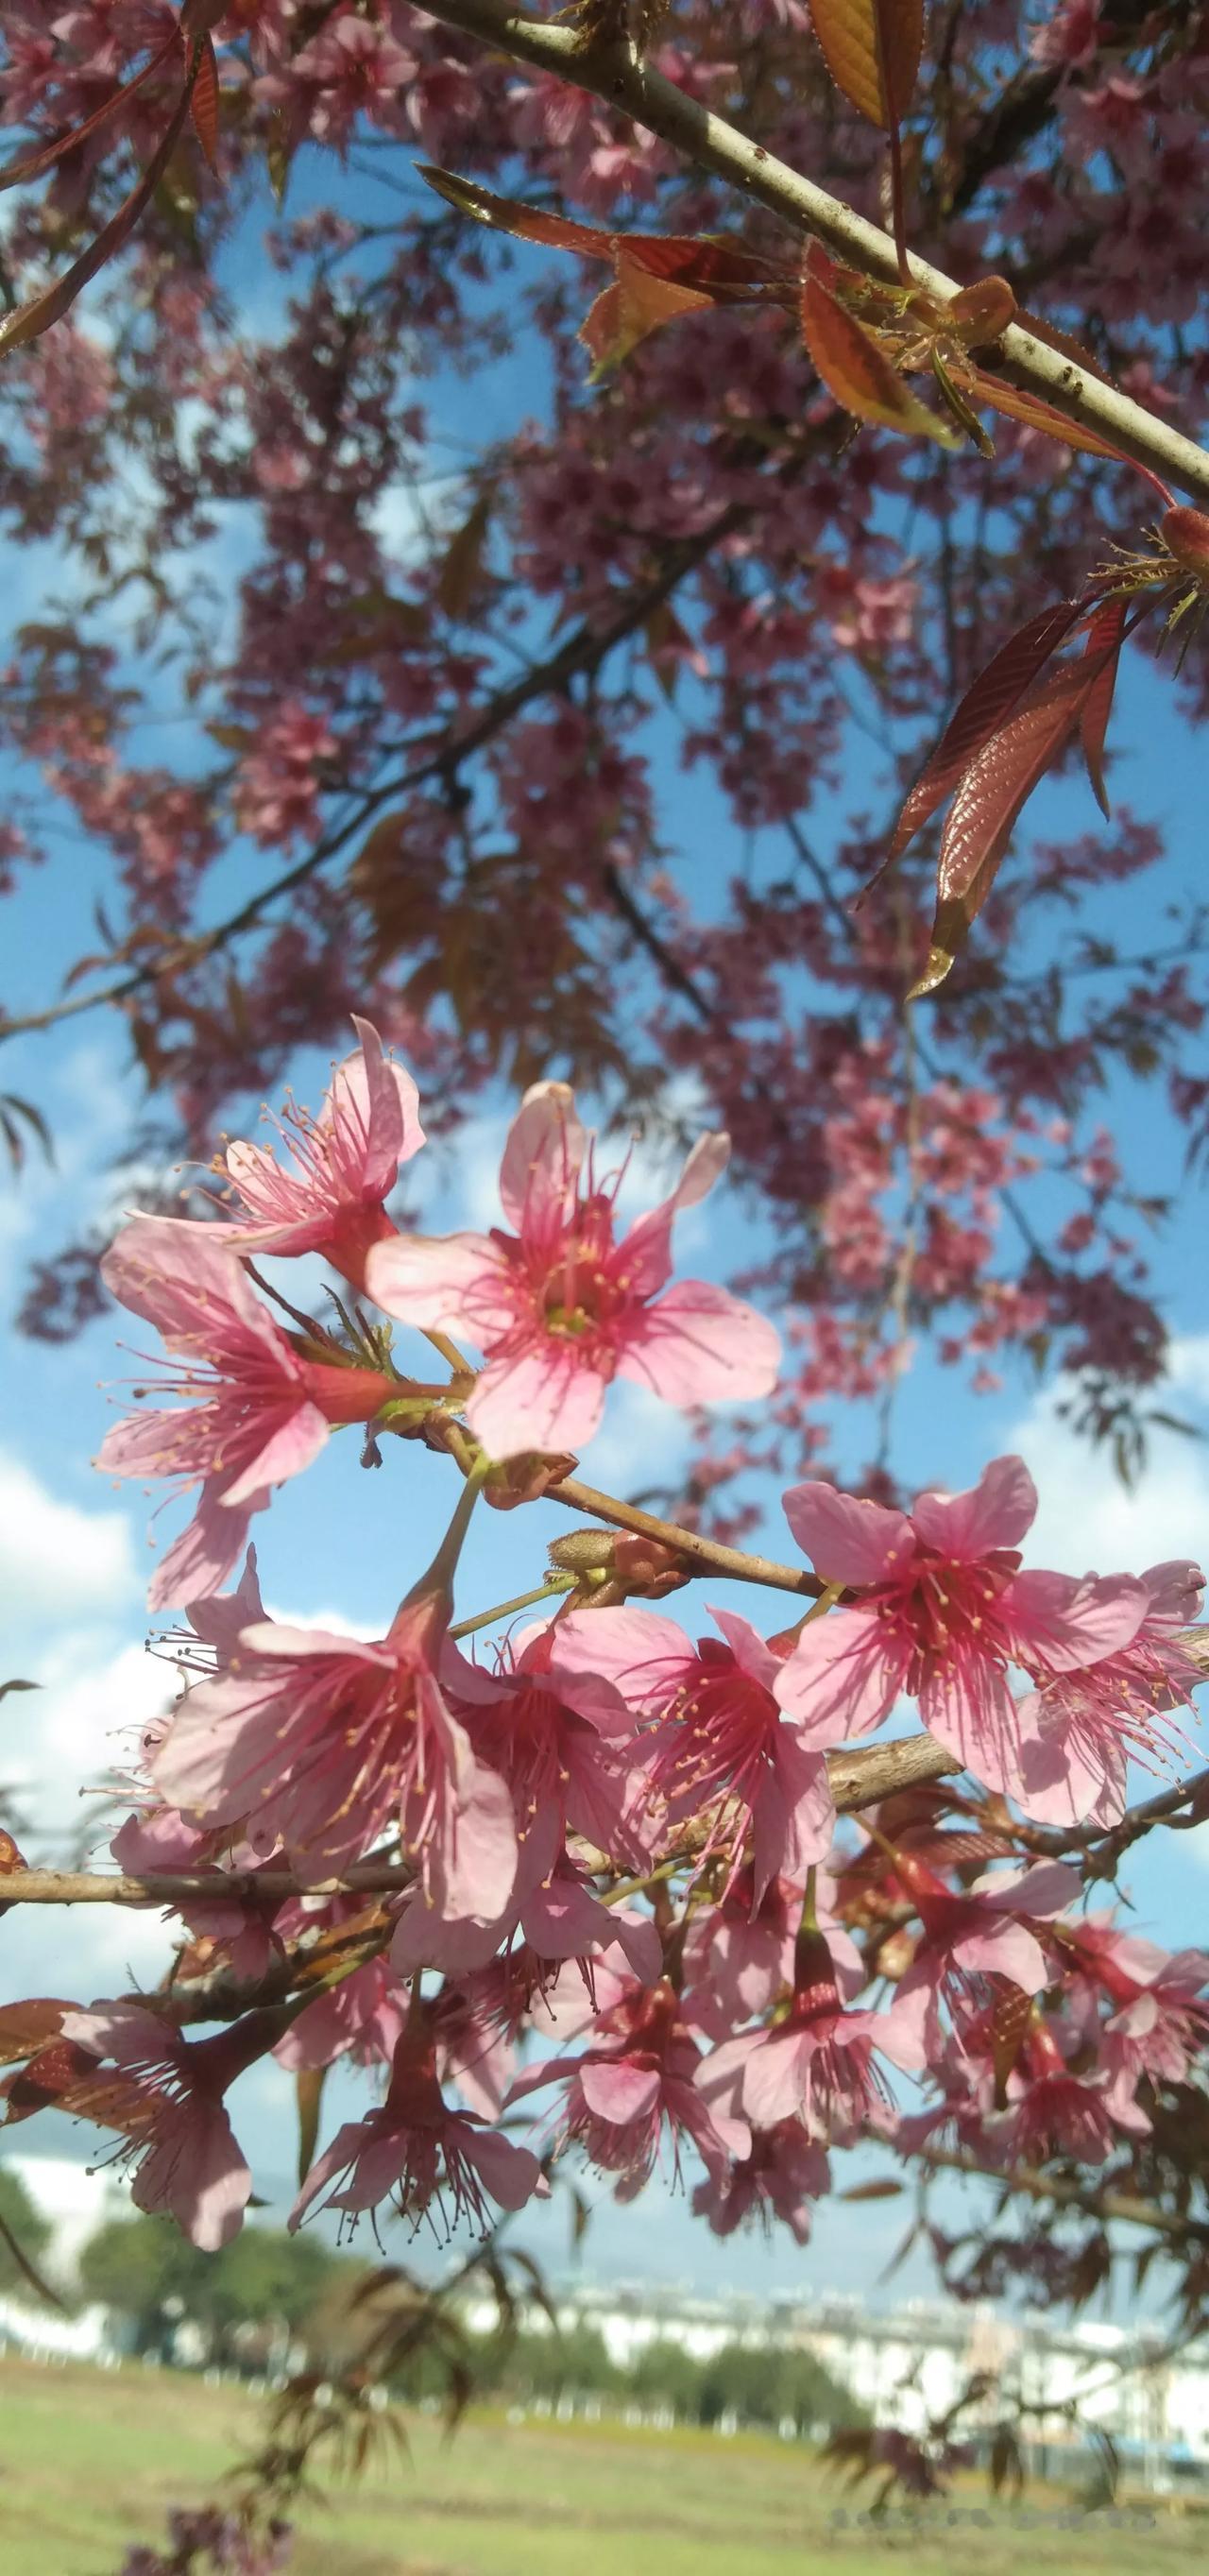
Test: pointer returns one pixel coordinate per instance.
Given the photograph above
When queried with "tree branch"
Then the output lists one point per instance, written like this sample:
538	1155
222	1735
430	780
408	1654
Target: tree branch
619	76
1104	2203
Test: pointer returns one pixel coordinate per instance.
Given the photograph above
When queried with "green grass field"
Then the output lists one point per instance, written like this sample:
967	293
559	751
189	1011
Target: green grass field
88	2462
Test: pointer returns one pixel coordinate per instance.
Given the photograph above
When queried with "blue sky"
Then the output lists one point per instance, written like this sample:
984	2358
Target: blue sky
340	1543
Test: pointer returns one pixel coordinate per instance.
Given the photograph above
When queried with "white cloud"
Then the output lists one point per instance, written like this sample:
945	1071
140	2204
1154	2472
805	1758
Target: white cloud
1087	1517
57	1558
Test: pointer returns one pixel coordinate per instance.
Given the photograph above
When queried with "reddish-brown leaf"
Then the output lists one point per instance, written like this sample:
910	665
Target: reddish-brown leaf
987	703
309	2083
872	50
1105	636
1037	414
984	810
203	106
636	304
719	269
32	164
26	2027
30	320
526	223
853	365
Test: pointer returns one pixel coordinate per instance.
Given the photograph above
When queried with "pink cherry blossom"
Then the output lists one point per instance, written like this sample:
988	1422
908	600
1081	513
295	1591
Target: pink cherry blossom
817	2063
782	2176
562	1739
559	1307
1082	1728
635	2079
943	1609
720	1746
1054	2111
983	1931
327	1195
327	1742
1161	2015
420	2154
256	1410
187	2158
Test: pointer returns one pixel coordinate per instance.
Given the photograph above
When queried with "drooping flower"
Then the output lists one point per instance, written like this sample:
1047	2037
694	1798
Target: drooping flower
781	2177
636	2079
1054	2110
1161	2008
562	1739
817	2062
418	2152
943	1609
187	2158
327	1195
981	1932
559	1307
256	1411
1082	1728
327	1741
720	1747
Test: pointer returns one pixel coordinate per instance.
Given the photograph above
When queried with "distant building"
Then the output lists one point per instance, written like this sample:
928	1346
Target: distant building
75	2200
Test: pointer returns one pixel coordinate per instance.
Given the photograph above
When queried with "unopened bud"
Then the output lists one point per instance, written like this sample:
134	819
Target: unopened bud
525	1479
631	1563
1185	533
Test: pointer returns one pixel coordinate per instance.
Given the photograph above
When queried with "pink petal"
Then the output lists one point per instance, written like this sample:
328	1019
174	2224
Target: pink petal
294	1444
183	1278
511	2174
751	1651
700	1345
648	1243
127	2033
774	2085
617	2090
643	1656
847	1540
794	1815
1061	1625
542	1160
219	1617
1004	1949
1065	1778
199	1561
456	1283
900	2033
1044	1890
842	1678
994	1513
378	1100
195	2169
971	1711
547	1398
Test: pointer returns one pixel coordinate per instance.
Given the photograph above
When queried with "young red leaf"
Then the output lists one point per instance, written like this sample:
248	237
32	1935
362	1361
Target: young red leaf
1037	414
719	269
987	703
855	368
525	223
637	304
872	50
30	320
26	2027
1105	636
203	106
984	810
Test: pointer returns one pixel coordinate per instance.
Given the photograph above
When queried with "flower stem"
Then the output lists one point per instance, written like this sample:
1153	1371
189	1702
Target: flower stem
523	1601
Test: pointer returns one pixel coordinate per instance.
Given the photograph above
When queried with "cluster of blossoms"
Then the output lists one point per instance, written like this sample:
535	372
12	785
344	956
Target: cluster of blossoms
608	1838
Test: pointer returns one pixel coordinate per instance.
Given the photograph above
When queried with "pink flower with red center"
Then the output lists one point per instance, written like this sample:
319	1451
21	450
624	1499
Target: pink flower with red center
1161	2016
1081	1729
1052	2111
187	2158
559	1307
418	2153
943	1608
563	1740
983	1931
738	1955
818	2062
256	1410
327	1195
325	1742
781	2177
720	1745
636	2080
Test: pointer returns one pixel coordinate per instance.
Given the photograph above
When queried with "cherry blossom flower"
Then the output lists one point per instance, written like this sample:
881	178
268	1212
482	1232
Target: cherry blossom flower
326	1741
1161	2014
419	2153
563	1740
1052	2111
817	2061
942	1610
781	2177
1082	1728
720	1746
560	1308
983	1931
636	2077
187	2158
256	1411
327	1195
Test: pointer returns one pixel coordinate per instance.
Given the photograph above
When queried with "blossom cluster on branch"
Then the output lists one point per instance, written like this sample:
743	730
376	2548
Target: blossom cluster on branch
616	1913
